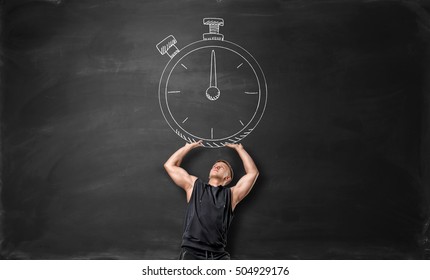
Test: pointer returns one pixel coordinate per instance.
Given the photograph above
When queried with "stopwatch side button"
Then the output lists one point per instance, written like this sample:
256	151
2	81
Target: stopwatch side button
167	45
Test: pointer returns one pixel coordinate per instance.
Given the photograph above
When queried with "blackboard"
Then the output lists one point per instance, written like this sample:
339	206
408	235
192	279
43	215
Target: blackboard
342	147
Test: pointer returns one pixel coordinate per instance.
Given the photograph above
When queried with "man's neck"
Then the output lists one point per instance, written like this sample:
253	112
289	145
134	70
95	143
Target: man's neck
215	182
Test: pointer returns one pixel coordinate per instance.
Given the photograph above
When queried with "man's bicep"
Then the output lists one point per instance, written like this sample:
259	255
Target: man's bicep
181	177
243	187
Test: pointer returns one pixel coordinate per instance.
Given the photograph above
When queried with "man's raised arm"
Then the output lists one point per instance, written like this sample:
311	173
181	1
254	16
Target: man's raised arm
179	175
245	184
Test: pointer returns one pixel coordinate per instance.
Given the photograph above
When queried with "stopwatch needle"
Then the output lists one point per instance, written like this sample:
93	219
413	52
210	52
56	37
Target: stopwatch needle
213	93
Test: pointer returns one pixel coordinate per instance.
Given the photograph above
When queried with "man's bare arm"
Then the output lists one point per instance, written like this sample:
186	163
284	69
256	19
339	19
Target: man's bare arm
179	175
245	184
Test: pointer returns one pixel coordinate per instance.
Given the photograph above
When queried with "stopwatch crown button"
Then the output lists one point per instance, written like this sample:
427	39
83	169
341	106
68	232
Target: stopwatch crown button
214	24
213	36
167	45
213	21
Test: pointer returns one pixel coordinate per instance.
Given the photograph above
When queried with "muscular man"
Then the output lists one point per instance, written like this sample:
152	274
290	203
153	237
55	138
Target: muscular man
210	204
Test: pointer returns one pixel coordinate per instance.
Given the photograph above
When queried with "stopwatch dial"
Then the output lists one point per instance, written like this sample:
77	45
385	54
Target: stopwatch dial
212	93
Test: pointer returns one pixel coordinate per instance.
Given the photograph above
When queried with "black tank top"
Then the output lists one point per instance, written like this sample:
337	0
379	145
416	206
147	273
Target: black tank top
208	217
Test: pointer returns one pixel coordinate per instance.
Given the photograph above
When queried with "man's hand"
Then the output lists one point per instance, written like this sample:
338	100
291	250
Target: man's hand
193	145
234	146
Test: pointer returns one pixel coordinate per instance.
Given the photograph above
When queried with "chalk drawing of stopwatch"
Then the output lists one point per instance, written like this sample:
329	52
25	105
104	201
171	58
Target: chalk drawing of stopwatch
211	90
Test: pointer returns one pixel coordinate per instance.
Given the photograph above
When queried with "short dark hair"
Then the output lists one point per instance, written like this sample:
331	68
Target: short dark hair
229	167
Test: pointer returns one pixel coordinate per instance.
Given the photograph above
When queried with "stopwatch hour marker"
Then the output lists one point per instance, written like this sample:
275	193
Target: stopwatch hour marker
212	89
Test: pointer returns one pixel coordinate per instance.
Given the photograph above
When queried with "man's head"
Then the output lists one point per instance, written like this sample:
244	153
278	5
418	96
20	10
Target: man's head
222	171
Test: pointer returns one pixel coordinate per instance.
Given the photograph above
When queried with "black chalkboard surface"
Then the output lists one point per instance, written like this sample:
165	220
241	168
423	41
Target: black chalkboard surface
342	146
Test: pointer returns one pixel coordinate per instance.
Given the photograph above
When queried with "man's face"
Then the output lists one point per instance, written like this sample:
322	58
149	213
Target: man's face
219	170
